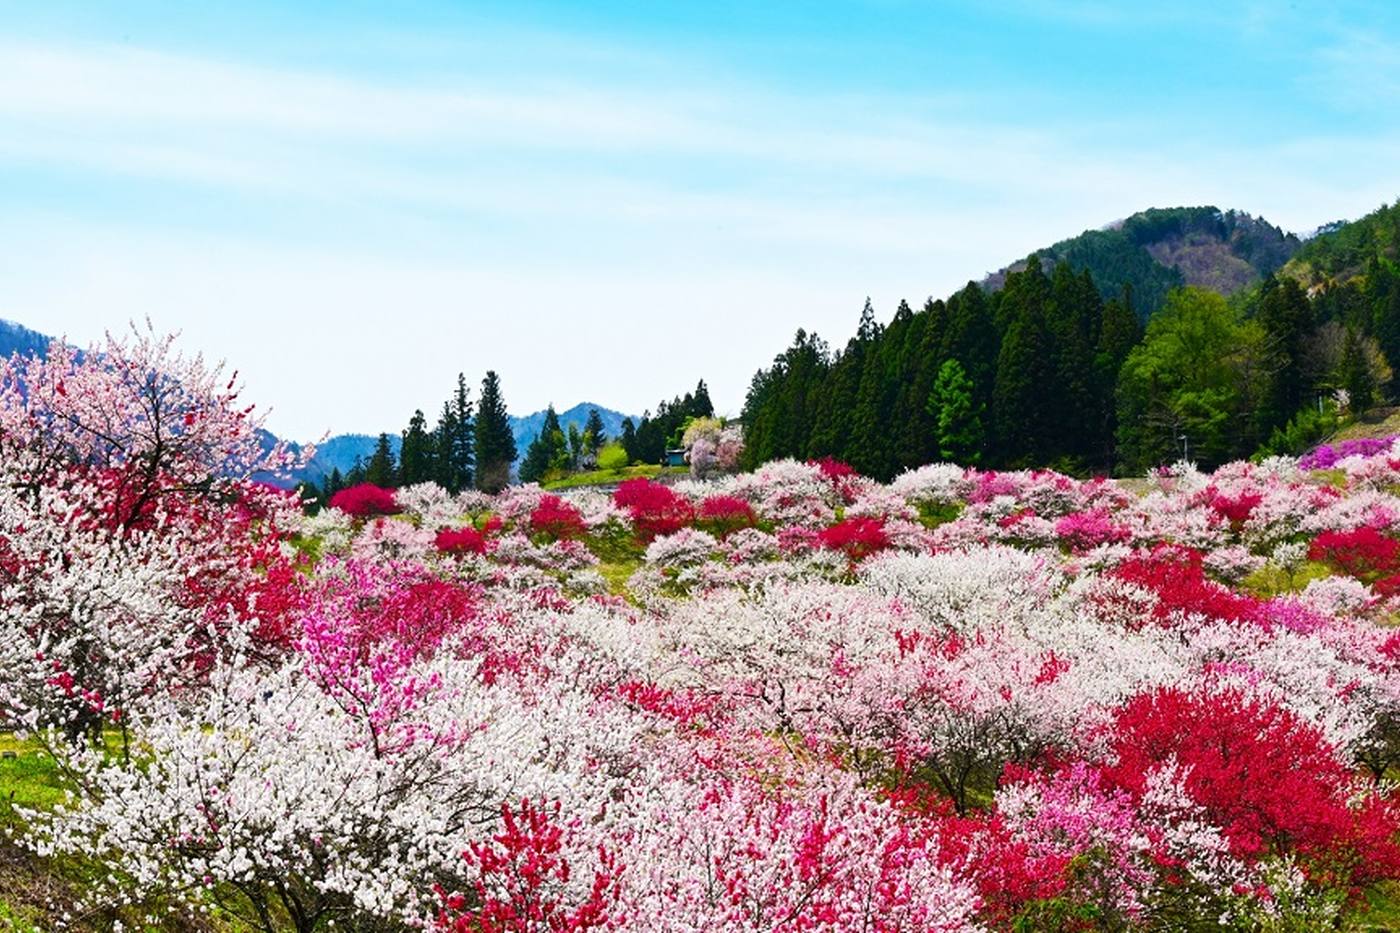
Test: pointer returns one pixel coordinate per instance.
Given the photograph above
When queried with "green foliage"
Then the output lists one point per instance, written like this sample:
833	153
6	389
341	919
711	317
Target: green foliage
662	430
612	477
613	457
1198	373
629	439
417	454
1345	249
1305	430
1272	580
494	444
548	454
454	441
933	514
381	469
594	437
30	779
960	432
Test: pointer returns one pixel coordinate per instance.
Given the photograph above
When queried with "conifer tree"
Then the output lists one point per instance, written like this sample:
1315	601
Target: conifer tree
959	420
1356	374
1020	420
416	453
629	439
356	476
700	405
381	470
547	453
972	340
333	484
1287	320
576	447
867	441
458	443
494	444
595	436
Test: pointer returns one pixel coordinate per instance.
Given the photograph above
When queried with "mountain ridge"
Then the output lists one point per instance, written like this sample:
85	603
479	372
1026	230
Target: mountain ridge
1158	249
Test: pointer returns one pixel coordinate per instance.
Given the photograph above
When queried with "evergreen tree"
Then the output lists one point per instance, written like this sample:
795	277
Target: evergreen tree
1356	374
1286	317
1121	330
458	442
1073	316
333	484
1021	420
356	476
444	468
866	446
914	427
416	452
629	439
959	420
494	444
547	453
576	447
594	434
972	340
381	470
700	405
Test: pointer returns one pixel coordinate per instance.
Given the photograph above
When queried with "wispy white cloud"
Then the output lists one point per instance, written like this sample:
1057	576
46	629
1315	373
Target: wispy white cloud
612	210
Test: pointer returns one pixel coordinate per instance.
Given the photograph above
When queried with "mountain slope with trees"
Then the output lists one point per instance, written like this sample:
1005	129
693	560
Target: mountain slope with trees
1157	250
1049	364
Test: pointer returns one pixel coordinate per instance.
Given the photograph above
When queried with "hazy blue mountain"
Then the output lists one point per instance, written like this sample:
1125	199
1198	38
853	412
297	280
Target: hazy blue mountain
527	427
15	338
342	450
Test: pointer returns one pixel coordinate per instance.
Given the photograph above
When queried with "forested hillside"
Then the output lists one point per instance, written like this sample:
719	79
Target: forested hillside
1050	363
1160	249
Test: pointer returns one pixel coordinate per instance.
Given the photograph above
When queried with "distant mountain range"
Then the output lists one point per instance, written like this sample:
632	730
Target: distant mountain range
15	338
341	451
1160	249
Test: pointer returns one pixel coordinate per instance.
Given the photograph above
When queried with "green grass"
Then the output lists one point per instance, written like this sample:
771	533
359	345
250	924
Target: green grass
1271	580
18	919
1378	422
1382	911
31	779
617	574
608	477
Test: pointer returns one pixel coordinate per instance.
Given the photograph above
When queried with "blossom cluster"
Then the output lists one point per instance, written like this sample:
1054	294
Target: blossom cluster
794	699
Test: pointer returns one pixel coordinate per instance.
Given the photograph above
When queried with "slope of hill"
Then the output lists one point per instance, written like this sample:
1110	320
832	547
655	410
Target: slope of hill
17	339
1341	251
1159	249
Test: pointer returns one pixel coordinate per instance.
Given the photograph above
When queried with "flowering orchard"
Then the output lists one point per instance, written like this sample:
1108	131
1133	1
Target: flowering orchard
788	700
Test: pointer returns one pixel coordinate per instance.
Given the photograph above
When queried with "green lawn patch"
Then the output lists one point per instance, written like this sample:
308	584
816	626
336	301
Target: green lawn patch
30	779
609	477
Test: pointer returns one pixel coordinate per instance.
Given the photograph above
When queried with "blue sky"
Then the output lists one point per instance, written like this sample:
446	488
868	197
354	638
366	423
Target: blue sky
353	202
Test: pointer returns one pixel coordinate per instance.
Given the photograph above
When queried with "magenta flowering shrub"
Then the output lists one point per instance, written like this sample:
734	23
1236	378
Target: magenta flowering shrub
365	500
1325	456
1082	531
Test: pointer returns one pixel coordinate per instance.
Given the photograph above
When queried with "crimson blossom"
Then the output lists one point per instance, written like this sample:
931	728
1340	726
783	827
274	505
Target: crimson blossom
857	538
655	509
556	519
1268	779
365	500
